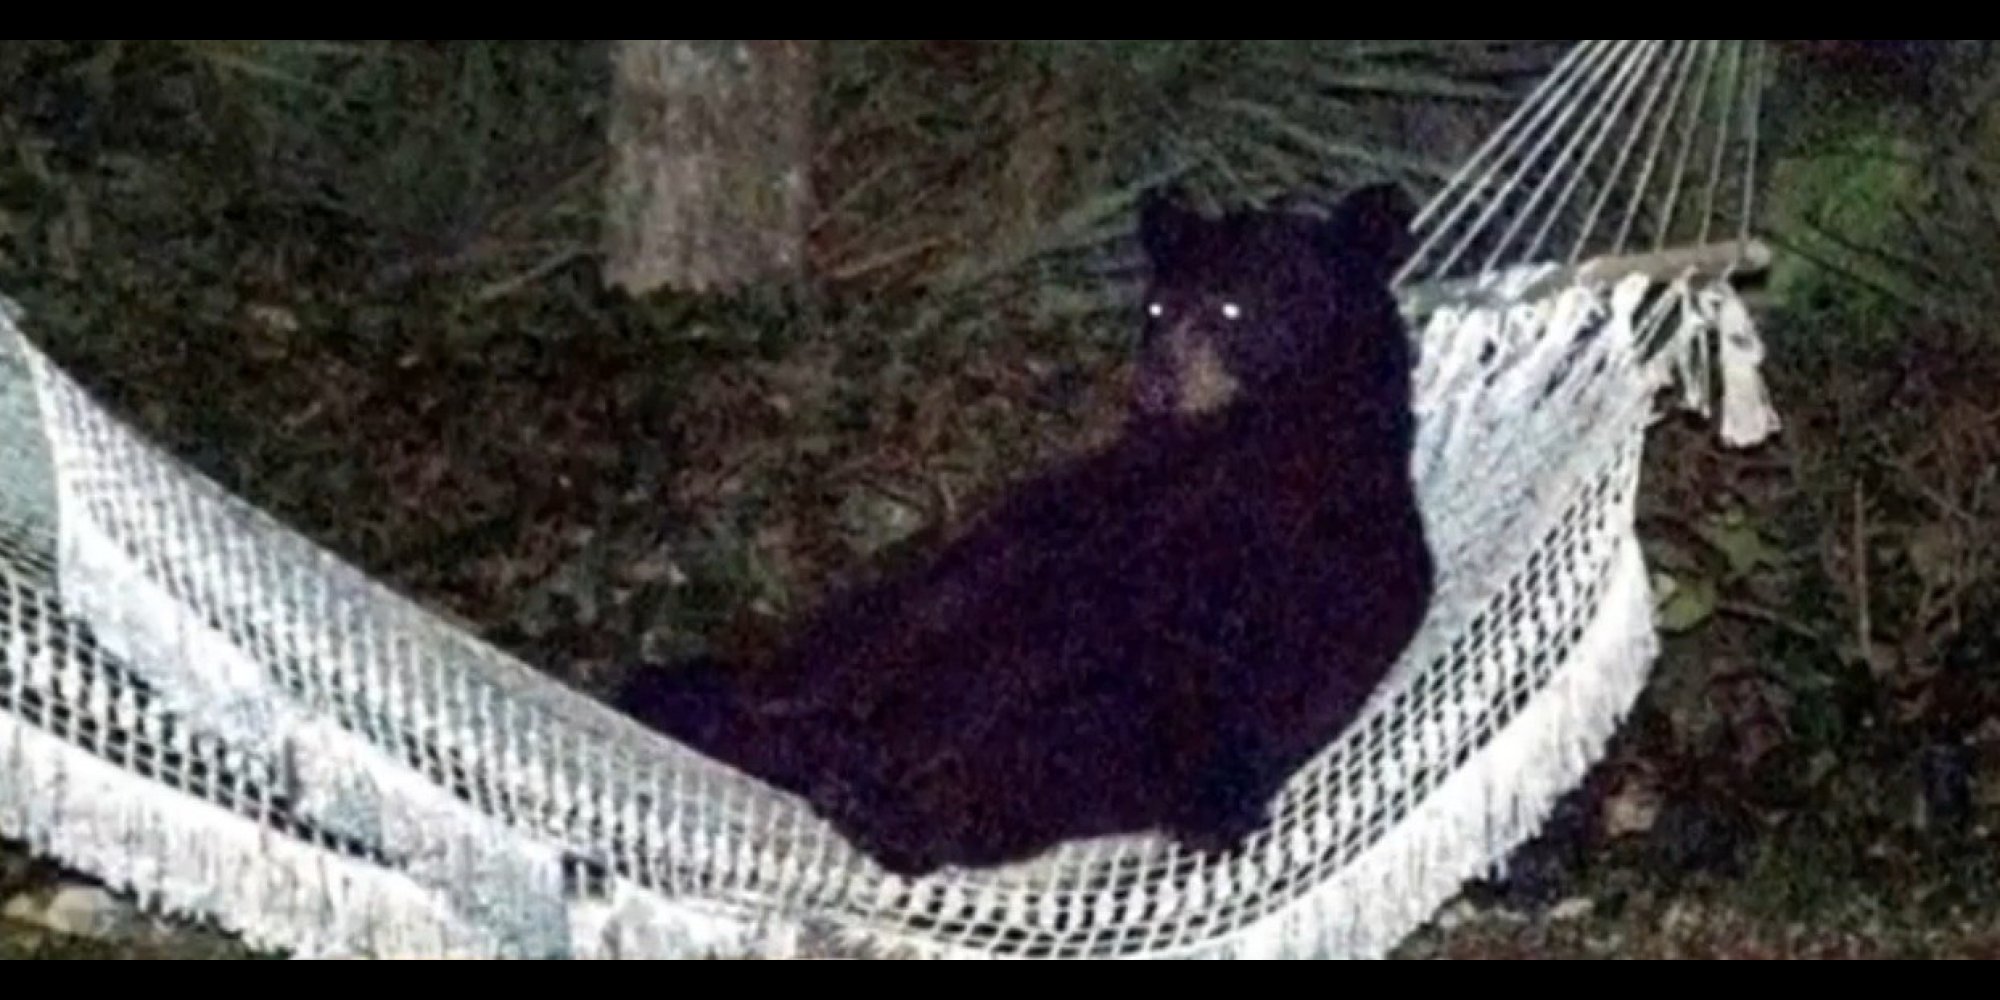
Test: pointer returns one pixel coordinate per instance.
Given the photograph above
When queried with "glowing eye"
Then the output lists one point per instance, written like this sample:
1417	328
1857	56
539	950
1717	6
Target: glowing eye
1155	310
1232	311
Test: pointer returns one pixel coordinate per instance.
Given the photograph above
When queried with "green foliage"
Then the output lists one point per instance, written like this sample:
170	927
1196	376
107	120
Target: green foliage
392	190
1829	675
1890	201
355	180
1017	162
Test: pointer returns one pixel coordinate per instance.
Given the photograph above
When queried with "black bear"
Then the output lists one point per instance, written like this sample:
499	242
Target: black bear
1196	355
1154	636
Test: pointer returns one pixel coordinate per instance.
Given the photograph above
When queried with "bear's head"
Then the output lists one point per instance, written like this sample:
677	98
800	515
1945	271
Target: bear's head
1246	302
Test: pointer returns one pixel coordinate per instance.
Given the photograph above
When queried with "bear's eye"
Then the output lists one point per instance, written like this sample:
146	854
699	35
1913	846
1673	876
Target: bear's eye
1231	311
1155	310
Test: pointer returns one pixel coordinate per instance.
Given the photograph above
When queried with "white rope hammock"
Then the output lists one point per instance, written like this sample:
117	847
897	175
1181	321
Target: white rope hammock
199	705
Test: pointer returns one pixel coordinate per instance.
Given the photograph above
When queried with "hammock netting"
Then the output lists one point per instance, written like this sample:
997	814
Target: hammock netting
199	705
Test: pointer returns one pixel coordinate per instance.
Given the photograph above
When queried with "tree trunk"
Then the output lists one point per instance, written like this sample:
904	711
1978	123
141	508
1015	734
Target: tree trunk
710	179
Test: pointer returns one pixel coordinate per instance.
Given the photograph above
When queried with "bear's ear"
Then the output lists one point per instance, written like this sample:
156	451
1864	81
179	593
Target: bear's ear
1165	226
1302	203
1371	226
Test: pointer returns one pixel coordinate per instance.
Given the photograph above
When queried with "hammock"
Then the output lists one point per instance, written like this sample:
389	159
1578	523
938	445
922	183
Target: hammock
198	705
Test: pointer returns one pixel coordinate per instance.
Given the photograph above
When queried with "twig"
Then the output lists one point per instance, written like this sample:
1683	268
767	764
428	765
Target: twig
1916	482
1757	612
885	258
1863	627
549	265
1843	270
947	500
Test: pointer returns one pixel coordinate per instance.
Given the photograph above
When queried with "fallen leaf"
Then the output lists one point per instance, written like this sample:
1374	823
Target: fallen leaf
1692	602
1933	553
1633	808
1742	546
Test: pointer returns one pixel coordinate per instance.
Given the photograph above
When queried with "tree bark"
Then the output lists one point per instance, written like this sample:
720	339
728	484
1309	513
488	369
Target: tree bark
710	155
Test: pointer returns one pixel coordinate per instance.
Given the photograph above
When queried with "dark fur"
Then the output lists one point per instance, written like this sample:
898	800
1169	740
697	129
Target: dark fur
1268	264
1153	637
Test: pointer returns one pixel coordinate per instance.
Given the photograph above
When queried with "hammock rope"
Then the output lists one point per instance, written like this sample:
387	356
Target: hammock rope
199	705
1584	141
